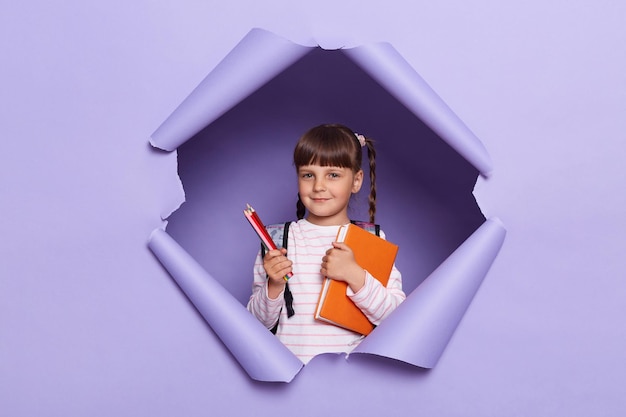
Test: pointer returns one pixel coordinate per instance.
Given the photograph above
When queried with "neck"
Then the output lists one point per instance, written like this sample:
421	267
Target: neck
328	221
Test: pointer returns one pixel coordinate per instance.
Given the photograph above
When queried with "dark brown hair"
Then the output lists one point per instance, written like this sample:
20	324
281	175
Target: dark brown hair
335	145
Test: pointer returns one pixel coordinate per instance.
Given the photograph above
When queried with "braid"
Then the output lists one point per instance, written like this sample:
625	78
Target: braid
300	209
371	155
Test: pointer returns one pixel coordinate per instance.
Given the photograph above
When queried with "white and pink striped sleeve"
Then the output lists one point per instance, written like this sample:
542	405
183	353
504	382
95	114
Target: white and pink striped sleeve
377	301
265	309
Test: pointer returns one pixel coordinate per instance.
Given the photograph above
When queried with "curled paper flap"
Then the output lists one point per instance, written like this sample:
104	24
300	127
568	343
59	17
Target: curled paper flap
384	64
418	331
258	58
261	354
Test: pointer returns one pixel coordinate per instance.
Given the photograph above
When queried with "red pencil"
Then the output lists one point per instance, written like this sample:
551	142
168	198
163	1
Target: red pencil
260	230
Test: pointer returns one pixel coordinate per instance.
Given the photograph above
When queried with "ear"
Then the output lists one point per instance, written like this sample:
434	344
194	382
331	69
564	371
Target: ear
357	181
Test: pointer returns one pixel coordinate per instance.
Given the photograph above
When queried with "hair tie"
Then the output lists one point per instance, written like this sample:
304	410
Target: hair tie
361	139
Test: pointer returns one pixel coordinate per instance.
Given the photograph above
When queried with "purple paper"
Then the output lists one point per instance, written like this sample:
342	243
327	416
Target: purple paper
262	356
387	66
255	60
418	331
91	324
241	127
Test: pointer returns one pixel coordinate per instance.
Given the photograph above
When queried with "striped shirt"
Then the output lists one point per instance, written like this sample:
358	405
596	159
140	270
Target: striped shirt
301	333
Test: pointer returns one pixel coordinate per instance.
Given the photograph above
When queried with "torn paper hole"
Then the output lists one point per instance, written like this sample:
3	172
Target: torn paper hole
234	136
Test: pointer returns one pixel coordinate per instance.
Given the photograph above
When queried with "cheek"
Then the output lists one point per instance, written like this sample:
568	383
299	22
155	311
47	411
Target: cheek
348	191
302	186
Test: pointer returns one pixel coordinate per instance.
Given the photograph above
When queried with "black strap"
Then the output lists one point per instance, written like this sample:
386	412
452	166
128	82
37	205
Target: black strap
367	226
288	295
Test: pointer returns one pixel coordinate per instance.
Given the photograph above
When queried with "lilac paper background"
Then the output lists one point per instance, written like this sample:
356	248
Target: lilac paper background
91	324
427	197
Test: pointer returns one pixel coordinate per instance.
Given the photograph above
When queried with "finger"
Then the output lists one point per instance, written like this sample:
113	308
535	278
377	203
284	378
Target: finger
280	268
279	263
272	254
271	262
286	264
280	273
285	269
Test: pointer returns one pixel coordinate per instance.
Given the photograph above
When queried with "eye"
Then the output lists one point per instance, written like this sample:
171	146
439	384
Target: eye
334	175
306	175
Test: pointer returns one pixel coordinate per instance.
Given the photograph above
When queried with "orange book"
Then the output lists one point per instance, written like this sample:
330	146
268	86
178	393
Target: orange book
372	253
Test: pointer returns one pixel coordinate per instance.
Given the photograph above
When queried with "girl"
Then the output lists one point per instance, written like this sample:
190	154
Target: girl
328	163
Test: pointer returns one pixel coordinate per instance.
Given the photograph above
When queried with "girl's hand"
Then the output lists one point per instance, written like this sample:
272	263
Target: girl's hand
276	267
339	264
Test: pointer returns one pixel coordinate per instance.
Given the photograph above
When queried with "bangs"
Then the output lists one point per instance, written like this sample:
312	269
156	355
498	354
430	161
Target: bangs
327	147
322	155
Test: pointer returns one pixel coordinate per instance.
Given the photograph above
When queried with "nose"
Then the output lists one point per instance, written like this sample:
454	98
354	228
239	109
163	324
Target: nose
319	184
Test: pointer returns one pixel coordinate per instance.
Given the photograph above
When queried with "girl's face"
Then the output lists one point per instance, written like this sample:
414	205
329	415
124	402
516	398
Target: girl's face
326	191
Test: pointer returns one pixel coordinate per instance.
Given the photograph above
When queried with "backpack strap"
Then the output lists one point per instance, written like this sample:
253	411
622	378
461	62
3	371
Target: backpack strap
288	295
370	227
280	236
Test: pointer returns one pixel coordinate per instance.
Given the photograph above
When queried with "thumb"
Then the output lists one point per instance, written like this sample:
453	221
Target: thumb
340	246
